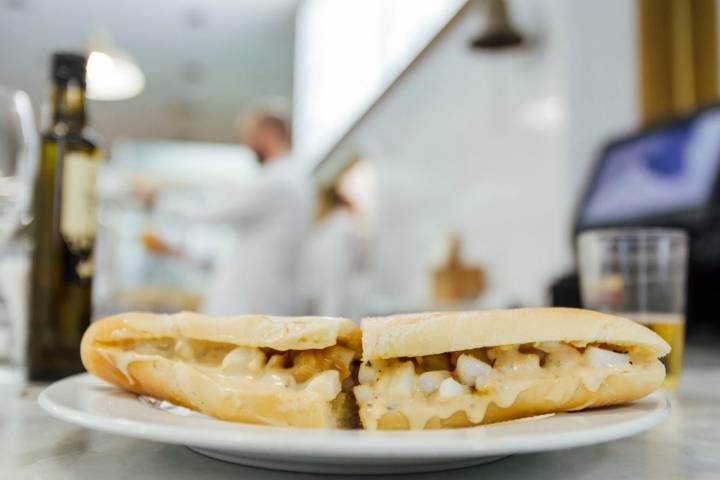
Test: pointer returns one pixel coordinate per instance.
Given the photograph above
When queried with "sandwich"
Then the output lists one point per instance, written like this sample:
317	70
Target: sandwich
458	369
259	369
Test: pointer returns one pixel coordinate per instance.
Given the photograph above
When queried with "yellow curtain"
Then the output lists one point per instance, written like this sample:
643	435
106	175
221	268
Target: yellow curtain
677	58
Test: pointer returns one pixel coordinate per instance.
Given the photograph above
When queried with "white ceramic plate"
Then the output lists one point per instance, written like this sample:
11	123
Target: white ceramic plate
85	400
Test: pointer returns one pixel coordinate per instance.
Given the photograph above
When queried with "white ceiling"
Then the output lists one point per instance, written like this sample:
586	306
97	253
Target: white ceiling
204	60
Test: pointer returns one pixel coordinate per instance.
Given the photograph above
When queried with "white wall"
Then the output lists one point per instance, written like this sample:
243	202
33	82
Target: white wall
494	146
346	54
602	79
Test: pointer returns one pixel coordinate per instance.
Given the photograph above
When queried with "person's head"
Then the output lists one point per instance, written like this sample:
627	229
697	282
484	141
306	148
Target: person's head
267	134
330	200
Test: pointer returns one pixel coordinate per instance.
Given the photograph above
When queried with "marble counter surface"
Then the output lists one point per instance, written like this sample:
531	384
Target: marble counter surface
35	446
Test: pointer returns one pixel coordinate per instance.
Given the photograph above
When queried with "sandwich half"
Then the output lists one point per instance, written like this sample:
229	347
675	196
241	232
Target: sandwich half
457	369
252	368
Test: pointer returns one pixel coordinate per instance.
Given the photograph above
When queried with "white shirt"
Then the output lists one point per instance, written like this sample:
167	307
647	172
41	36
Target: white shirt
259	273
336	266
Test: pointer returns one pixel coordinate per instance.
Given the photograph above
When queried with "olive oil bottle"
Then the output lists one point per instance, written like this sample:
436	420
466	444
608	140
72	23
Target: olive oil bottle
63	229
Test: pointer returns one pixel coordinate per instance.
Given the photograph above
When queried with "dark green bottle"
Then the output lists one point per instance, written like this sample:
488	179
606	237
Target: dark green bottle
63	228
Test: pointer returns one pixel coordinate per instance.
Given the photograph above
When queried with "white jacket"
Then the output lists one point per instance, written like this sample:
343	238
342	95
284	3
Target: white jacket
336	267
271	217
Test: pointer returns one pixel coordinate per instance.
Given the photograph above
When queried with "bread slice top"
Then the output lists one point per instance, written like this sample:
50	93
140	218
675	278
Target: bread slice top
261	331
411	335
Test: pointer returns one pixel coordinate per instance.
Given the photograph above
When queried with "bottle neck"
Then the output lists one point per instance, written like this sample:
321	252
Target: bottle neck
68	105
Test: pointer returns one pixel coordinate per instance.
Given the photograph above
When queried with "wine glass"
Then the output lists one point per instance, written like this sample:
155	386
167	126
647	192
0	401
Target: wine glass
18	165
18	160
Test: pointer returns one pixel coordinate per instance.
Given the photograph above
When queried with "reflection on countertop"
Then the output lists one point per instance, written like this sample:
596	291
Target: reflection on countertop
34	445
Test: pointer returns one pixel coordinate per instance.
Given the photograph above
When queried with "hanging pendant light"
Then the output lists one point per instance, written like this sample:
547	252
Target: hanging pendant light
499	31
112	74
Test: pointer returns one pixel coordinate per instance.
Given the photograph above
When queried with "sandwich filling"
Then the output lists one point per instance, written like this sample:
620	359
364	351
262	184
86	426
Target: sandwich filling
451	389
325	372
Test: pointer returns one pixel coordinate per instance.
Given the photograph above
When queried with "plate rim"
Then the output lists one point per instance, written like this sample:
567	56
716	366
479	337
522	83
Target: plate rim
247	440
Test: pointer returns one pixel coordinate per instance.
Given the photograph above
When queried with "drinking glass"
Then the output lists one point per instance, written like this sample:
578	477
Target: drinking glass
639	273
18	164
18	160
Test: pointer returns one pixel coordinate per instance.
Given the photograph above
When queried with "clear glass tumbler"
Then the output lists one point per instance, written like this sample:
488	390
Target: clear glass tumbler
639	273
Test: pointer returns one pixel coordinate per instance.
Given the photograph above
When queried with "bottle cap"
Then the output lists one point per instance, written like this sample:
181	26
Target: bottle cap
68	66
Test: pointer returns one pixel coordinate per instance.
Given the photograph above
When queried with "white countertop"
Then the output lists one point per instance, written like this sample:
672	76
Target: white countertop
34	446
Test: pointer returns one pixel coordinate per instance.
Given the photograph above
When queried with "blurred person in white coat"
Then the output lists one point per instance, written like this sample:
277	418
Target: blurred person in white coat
337	258
271	217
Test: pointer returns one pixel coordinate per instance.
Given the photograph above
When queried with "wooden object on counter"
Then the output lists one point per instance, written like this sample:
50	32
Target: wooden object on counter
454	281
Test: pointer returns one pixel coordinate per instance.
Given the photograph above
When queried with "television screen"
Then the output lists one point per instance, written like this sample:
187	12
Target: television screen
666	170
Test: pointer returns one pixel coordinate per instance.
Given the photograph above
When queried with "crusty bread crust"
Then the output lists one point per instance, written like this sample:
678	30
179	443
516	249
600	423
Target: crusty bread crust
204	389
184	385
421	334
279	333
536	400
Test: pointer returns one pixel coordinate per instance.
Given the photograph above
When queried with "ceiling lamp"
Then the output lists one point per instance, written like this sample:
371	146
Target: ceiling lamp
499	32
111	73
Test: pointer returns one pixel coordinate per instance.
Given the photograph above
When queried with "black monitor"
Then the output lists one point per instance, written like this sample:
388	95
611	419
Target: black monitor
665	175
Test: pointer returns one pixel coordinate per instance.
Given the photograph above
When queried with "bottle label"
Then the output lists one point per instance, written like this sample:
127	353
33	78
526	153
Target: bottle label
79	202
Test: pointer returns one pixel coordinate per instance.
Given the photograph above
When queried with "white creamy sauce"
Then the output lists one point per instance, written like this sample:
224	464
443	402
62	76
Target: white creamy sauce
183	348
506	392
387	389
242	365
563	389
123	359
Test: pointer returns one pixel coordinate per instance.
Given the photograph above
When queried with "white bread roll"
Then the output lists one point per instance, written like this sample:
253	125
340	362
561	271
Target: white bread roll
526	362
182	358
